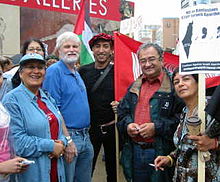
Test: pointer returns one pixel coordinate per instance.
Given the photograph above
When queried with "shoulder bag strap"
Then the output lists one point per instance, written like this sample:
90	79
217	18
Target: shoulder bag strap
101	78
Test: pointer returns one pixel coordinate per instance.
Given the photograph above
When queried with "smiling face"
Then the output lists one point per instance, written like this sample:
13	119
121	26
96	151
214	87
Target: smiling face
102	51
150	62
186	86
32	75
69	51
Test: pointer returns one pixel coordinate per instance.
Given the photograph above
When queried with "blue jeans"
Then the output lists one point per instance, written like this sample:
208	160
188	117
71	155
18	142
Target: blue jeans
80	169
141	160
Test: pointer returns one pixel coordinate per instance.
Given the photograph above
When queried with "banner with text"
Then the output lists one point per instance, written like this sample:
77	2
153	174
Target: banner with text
104	9
200	38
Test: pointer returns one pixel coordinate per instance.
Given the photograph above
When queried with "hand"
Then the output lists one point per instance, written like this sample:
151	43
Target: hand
133	129
114	105
70	152
147	130
203	142
161	161
58	149
13	166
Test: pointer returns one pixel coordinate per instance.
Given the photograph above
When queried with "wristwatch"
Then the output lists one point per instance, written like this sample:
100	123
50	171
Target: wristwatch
69	139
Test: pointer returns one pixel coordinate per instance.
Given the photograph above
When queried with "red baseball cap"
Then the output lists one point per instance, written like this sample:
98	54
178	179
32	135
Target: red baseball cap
101	36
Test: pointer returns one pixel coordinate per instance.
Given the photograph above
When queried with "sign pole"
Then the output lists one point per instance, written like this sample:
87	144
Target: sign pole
201	114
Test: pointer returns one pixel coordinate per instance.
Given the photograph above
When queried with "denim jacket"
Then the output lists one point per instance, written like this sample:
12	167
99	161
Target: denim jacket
30	131
164	106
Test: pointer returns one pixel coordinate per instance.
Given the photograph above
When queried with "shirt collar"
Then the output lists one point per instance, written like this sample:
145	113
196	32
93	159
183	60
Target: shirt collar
159	78
65	68
30	94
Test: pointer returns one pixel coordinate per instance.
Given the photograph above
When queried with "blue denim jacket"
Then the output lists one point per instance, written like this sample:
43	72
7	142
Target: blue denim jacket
30	131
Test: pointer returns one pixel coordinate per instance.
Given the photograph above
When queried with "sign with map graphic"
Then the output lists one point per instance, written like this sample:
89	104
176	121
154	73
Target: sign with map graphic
200	38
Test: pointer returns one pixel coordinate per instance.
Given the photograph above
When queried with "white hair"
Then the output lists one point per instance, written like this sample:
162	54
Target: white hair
66	36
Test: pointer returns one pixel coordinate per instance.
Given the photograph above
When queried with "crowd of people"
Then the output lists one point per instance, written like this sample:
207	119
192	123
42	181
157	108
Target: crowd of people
55	116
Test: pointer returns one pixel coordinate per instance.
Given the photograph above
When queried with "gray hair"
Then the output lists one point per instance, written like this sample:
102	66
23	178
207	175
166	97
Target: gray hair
66	36
147	45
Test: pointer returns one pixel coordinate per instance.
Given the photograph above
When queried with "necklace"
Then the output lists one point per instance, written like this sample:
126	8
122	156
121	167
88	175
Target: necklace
193	112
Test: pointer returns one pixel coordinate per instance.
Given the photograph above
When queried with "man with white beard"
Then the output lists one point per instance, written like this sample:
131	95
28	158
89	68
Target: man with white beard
65	85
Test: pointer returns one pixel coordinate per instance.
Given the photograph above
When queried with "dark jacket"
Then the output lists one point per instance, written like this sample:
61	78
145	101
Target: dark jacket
213	106
165	109
213	128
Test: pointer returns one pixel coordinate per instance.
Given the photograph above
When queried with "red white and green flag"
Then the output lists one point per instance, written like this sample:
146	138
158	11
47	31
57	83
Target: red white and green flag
127	67
84	30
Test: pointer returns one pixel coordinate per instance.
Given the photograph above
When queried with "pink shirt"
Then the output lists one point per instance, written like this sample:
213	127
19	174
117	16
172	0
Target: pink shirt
4	130
4	145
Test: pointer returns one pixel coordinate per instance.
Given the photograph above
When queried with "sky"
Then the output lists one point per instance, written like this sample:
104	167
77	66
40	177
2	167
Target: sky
154	10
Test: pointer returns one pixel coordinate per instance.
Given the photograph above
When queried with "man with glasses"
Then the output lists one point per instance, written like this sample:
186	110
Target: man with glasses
147	118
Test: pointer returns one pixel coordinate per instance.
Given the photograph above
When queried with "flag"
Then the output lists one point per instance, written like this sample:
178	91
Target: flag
212	80
84	30
170	61
127	67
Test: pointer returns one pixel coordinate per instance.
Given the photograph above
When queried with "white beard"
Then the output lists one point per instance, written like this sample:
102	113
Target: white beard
70	60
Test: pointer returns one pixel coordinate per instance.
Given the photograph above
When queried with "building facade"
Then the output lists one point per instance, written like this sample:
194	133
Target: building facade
170	33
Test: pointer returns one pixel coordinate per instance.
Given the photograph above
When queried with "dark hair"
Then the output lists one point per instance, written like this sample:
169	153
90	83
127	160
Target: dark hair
26	44
16	80
4	61
147	45
195	76
104	40
101	37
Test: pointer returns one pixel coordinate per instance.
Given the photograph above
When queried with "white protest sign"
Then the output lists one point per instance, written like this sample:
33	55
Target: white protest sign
200	39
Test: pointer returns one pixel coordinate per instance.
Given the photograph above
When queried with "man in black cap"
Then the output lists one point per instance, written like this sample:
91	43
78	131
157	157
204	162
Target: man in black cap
99	80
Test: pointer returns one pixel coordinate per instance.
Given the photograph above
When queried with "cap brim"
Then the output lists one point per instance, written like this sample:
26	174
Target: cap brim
29	60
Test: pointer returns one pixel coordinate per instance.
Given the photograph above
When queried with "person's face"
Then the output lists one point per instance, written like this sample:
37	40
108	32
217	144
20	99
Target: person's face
102	51
1	76
34	47
69	51
150	62
32	75
186	86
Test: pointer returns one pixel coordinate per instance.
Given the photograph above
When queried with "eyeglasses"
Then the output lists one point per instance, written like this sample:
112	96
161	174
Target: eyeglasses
34	49
32	67
149	60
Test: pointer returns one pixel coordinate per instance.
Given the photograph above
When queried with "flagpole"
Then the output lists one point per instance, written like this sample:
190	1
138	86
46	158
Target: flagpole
201	114
117	148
